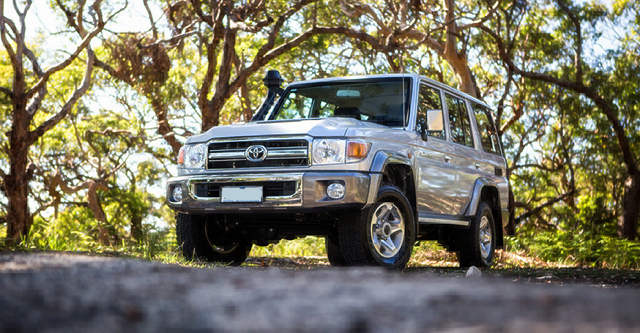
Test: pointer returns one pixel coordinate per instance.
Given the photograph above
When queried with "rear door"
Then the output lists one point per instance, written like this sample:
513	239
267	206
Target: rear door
466	157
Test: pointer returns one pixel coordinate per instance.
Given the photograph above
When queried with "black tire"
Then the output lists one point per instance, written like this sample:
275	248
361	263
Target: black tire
479	243
363	242
334	254
203	239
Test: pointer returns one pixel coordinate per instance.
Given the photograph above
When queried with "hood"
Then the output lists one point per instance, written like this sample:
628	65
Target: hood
328	127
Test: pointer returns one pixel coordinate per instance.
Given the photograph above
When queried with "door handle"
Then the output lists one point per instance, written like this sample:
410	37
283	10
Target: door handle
447	158
477	166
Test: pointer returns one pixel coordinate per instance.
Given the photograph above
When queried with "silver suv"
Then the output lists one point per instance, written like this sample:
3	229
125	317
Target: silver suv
372	163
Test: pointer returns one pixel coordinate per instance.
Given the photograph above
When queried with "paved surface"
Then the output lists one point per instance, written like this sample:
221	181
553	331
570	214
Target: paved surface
79	293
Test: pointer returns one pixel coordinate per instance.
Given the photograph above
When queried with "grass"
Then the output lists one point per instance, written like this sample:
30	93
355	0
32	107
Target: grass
309	253
160	245
301	247
425	254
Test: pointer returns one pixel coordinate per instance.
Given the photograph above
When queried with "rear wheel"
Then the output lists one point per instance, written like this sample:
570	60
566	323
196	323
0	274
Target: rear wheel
205	239
479	242
382	235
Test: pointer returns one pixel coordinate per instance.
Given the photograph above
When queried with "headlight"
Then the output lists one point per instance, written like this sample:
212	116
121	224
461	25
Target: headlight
334	151
328	151
192	156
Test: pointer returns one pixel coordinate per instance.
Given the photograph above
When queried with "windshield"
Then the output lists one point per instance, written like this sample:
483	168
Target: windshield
383	101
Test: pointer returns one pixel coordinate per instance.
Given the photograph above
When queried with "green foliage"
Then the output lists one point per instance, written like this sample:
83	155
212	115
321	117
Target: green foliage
301	247
75	229
586	248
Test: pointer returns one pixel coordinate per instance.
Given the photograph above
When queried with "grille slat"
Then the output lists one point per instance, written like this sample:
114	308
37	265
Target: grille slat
280	153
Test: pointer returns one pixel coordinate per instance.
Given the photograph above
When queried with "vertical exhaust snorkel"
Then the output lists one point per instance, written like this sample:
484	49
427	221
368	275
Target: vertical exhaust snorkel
272	80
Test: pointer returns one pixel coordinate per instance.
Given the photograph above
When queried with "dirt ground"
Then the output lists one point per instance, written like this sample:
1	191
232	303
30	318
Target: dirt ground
66	292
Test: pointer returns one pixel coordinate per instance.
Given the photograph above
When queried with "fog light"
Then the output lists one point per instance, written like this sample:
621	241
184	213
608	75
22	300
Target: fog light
177	193
335	191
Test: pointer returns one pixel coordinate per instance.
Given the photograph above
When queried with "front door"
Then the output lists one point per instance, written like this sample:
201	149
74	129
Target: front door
436	179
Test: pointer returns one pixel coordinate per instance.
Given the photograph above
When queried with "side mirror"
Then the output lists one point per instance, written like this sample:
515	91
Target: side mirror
435	122
432	124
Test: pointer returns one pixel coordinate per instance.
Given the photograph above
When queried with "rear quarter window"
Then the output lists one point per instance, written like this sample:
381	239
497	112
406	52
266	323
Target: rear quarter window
488	134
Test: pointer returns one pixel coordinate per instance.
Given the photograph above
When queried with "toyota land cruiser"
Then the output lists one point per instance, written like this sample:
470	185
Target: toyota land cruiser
372	163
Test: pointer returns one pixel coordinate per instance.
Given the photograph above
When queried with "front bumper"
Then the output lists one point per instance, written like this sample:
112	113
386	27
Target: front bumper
307	195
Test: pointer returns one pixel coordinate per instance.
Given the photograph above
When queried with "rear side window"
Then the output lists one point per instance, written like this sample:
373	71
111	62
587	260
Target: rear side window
459	121
428	99
488	133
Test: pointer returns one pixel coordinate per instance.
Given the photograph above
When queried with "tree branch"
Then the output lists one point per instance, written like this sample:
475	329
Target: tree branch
537	166
106	67
55	119
537	210
6	91
84	44
153	23
478	23
37	101
170	40
13	57
576	23
623	142
450	40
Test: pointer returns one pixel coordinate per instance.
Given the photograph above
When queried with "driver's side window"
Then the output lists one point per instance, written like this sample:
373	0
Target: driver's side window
295	107
428	99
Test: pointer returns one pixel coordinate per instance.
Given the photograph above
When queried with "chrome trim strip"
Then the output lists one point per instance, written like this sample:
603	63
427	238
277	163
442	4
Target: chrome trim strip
296	196
430	220
286	153
226	155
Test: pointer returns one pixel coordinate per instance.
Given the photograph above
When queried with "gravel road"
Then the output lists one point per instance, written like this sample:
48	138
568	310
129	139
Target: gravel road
61	292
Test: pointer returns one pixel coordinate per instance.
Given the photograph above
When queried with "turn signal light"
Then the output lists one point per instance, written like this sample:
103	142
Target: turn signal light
357	149
181	156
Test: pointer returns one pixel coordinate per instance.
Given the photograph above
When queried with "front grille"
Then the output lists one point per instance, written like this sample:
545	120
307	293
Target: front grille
269	189
279	153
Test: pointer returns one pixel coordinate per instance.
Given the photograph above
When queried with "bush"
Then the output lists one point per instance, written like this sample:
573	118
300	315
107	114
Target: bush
584	249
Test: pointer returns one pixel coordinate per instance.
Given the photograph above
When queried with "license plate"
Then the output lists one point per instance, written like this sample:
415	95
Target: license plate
241	194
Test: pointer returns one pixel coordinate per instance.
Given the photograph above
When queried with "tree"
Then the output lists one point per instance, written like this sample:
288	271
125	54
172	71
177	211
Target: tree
440	28
576	76
26	96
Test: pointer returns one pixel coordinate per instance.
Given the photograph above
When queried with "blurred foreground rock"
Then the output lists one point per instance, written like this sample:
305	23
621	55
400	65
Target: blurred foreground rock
78	293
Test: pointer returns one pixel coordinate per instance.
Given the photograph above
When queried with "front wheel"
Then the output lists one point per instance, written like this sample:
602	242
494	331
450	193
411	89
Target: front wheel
204	238
383	234
334	254
479	242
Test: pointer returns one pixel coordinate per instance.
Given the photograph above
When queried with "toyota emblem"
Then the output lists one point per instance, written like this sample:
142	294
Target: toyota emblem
256	153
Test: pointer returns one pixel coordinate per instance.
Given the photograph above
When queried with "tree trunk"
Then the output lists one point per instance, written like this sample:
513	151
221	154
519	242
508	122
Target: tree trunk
211	114
17	181
464	76
628	222
160	108
98	212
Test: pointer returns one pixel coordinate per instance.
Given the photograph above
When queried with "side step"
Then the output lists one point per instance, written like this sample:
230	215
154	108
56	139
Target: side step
443	219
